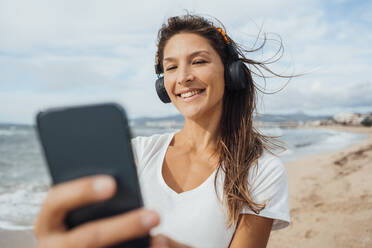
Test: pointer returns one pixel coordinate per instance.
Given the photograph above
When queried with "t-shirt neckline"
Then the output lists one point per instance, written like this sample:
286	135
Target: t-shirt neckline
165	186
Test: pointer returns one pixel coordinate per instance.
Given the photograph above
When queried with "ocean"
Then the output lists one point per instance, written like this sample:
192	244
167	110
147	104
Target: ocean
24	178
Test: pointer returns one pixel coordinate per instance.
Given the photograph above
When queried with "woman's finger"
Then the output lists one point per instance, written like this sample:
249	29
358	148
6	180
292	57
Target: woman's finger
65	197
162	241
112	230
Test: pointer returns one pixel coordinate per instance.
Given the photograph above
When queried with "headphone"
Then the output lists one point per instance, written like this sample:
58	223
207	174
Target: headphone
235	74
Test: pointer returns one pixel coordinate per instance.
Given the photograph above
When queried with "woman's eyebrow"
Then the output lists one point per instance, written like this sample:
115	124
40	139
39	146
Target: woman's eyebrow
199	52
193	54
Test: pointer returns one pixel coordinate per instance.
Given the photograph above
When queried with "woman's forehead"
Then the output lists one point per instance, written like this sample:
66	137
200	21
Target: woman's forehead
186	44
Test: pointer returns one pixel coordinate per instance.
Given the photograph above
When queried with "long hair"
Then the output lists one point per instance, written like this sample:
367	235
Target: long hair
240	145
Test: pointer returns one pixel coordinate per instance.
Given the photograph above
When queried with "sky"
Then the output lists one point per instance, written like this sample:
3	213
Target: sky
58	53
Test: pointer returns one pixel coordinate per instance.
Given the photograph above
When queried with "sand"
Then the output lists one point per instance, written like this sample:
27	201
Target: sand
330	198
17	239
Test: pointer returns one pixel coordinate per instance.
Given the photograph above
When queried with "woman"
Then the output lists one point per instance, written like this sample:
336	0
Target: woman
212	184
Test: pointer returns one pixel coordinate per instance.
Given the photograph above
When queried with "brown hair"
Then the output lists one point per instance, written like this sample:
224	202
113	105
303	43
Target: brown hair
240	144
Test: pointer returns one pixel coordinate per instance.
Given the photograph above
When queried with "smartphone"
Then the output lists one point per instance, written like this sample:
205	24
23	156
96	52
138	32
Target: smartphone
82	141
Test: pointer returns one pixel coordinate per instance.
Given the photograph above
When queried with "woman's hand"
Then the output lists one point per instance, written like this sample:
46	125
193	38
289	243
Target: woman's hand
51	231
162	241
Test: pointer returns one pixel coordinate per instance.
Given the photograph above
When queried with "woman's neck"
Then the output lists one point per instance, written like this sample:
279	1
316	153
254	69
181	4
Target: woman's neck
202	134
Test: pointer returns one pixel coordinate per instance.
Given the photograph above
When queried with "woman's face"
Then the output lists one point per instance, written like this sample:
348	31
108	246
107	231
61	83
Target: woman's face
193	75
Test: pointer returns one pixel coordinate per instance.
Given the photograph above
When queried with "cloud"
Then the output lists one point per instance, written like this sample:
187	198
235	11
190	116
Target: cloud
64	52
315	99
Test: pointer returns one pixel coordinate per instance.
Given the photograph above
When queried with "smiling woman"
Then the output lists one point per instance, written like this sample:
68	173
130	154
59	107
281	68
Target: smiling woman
212	184
216	183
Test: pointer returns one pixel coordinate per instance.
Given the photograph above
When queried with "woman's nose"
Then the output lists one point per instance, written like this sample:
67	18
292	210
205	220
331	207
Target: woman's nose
184	75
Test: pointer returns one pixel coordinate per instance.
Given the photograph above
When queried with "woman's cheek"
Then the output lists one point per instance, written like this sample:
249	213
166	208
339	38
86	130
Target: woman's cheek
168	87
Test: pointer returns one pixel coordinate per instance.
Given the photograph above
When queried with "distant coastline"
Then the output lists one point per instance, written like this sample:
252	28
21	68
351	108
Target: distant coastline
295	120
270	120
3	124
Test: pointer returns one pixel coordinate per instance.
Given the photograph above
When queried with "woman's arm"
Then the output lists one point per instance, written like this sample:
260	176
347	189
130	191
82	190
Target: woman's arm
251	232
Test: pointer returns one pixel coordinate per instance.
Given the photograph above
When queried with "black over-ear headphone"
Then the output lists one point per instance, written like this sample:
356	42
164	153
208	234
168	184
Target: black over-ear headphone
235	75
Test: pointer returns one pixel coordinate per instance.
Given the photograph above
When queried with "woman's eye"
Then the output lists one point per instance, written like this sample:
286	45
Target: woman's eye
200	62
171	68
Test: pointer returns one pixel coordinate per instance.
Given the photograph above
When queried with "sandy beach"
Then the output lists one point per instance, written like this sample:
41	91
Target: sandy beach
330	198
17	239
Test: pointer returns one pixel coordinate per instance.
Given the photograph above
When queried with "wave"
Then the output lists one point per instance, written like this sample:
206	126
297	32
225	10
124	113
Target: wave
15	131
303	144
5	132
19	205
272	131
307	142
7	225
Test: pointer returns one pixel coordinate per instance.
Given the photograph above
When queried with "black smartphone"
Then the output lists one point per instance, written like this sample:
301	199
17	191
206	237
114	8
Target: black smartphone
88	140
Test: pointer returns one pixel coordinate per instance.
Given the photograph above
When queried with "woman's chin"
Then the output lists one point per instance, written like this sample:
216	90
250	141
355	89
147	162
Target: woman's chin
197	114
199	111
191	113
191	116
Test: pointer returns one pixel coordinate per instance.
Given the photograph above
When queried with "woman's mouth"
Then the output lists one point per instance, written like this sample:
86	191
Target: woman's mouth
191	94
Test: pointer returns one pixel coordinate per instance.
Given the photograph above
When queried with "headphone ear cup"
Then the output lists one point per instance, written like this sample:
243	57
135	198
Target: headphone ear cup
236	78
160	89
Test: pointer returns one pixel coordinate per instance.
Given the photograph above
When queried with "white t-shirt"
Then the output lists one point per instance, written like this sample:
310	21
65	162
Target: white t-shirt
197	217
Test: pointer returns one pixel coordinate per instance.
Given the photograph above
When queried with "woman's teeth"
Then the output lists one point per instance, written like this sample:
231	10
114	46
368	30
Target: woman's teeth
190	93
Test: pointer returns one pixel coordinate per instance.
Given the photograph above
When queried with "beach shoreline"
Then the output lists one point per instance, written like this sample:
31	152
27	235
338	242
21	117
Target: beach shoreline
330	197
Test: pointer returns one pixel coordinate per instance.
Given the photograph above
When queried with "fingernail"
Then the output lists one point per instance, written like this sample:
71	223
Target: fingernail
103	185
149	219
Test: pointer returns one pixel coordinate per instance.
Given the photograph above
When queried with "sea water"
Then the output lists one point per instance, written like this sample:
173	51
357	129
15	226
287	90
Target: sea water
24	178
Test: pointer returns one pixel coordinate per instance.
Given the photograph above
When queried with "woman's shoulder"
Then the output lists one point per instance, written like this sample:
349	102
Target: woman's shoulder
269	172
145	148
143	142
269	163
269	185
